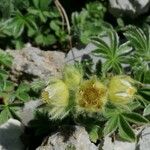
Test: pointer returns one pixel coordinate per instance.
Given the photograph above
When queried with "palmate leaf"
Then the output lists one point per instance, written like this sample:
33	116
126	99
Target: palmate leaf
139	40
125	130
109	48
19	22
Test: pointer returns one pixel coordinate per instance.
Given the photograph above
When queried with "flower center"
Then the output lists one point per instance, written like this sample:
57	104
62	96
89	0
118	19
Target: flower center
45	97
131	91
91	97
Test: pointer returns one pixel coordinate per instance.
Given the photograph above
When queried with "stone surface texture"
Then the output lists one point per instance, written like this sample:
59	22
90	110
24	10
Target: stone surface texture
37	63
79	55
78	140
131	8
27	112
10	133
144	141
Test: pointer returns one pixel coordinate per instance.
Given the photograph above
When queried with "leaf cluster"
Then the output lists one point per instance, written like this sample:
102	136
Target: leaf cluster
131	56
89	22
38	22
117	57
13	95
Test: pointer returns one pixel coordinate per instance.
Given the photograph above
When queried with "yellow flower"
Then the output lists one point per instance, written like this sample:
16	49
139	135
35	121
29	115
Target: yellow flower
56	95
72	76
121	89
92	96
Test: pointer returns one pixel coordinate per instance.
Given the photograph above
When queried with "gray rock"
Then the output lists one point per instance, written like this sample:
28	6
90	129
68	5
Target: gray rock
143	144
117	145
144	141
77	140
35	62
132	8
27	112
10	133
78	55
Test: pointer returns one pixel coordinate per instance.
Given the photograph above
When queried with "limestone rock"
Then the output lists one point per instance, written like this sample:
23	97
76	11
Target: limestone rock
34	62
144	141
117	145
27	112
10	133
132	8
78	55
78	139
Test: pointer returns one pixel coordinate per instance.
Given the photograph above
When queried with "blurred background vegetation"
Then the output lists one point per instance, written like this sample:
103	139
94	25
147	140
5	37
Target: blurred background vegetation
53	24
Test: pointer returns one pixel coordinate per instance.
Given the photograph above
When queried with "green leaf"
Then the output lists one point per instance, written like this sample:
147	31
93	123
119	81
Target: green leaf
54	25
146	111
93	133
4	115
5	59
112	51
37	85
9	86
134	105
3	74
23	96
135	118
145	91
22	92
36	3
140	41
112	112
125	131
111	125
14	114
45	40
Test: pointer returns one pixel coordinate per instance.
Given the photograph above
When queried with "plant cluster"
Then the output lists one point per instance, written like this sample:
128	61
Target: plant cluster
35	21
89	22
46	24
113	101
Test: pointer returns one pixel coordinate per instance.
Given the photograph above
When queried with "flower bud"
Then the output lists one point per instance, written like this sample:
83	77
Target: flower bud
92	96
121	89
72	76
56	95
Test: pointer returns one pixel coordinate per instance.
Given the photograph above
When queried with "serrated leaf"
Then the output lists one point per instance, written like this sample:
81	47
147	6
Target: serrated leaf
146	111
125	131
111	125
135	118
